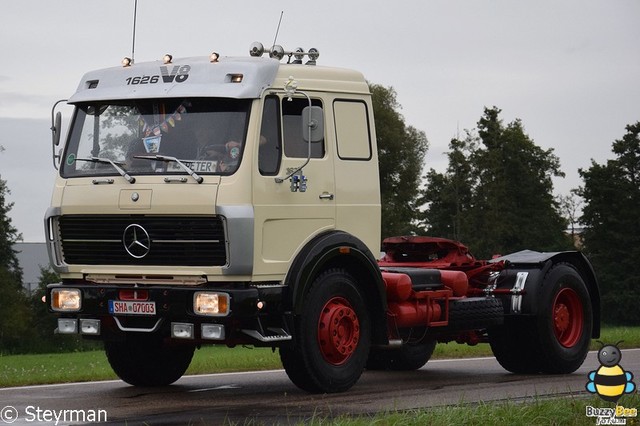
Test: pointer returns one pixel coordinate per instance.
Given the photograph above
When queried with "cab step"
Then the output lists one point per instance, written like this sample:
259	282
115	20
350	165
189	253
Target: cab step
279	335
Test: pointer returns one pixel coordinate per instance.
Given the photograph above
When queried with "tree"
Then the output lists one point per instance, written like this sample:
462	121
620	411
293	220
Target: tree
15	316
401	151
8	236
496	195
612	231
450	194
570	208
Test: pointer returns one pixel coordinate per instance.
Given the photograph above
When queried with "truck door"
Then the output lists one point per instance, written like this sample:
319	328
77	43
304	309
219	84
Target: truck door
286	217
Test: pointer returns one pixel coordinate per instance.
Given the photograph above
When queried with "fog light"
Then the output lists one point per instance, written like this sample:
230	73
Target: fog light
67	326
212	331
66	299
90	326
181	330
211	304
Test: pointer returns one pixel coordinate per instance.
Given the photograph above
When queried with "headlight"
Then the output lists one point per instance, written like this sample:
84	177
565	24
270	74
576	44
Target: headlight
66	299
211	304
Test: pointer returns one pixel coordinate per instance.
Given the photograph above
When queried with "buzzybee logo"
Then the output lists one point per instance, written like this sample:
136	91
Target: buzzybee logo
610	381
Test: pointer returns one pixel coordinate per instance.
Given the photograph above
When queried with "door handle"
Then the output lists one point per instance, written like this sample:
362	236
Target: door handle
326	196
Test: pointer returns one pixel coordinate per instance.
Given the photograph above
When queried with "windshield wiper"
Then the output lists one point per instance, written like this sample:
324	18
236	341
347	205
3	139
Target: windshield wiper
115	165
168	159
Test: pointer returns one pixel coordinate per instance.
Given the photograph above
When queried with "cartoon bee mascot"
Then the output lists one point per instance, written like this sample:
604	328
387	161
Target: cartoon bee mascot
610	381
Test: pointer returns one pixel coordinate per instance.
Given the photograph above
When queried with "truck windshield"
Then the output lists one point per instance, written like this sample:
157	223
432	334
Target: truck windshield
206	135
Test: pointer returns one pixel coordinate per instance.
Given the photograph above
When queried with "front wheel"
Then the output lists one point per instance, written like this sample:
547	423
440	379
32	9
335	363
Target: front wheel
147	361
332	336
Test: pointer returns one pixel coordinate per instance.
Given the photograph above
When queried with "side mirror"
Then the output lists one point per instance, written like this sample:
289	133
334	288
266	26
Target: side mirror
313	124
56	129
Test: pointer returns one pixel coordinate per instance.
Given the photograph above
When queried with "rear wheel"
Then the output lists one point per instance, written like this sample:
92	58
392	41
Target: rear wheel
147	361
332	336
557	339
566	321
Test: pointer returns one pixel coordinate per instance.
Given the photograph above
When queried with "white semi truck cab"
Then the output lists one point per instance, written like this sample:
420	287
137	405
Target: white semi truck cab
235	200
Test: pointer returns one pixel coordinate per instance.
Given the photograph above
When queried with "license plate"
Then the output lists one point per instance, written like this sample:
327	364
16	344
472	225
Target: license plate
119	307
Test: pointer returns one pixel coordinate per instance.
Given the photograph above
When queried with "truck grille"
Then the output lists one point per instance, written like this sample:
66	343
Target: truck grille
143	240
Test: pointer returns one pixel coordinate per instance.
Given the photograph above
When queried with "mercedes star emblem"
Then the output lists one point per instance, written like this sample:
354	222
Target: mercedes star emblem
136	241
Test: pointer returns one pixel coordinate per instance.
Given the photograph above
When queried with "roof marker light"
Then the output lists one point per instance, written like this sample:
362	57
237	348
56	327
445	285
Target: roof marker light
167	58
213	58
126	62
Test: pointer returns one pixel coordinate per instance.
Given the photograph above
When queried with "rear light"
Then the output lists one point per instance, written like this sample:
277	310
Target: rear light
66	299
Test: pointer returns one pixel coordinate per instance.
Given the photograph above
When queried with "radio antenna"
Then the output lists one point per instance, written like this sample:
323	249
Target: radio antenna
133	43
277	29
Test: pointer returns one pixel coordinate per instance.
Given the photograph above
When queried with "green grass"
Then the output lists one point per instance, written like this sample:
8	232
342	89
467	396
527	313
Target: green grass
629	335
537	411
21	370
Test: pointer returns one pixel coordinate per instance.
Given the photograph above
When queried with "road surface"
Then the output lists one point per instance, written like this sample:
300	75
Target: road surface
269	397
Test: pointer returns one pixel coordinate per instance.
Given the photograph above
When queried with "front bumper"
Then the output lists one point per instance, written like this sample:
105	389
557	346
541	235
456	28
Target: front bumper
174	315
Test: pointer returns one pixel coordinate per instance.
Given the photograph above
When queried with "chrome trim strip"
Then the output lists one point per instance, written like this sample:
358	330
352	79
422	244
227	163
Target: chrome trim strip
517	290
138	330
239	223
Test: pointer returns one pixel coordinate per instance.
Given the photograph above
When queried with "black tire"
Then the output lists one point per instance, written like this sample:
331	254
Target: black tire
332	336
409	357
514	345
146	361
556	340
473	313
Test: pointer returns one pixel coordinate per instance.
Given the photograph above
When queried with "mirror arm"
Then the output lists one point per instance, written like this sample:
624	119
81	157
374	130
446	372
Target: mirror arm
310	125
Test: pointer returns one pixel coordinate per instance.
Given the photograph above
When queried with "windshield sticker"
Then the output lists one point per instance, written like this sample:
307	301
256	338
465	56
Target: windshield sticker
71	158
234	152
152	144
197	166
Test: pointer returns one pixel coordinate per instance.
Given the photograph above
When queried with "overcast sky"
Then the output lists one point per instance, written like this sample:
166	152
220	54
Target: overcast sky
570	70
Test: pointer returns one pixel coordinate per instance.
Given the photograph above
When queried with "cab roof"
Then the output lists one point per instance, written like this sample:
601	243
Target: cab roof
229	77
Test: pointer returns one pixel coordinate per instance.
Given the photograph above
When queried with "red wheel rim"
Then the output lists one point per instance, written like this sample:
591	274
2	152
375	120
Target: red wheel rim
568	317
338	331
